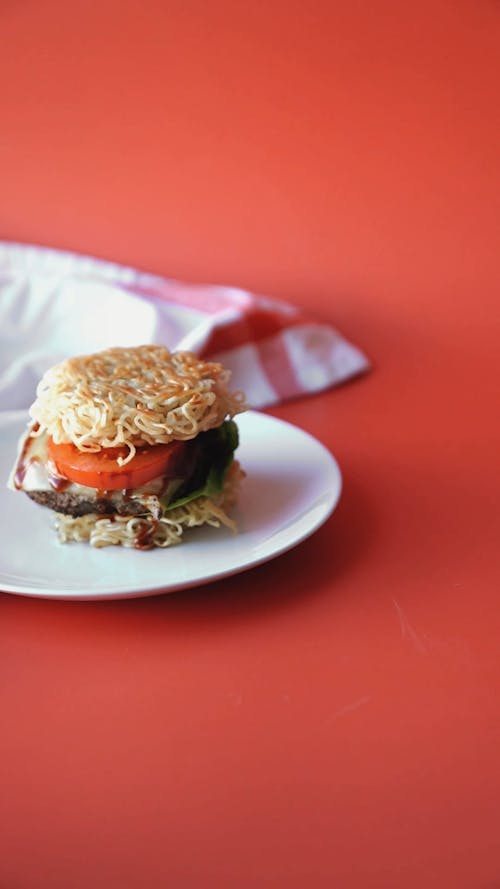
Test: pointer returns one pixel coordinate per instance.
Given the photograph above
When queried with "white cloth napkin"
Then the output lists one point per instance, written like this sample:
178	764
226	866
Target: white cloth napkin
55	304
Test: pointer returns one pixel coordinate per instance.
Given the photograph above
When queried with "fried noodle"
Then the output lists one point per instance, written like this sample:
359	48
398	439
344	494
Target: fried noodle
132	397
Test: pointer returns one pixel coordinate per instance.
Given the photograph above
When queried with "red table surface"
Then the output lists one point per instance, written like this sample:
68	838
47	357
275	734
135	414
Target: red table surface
330	718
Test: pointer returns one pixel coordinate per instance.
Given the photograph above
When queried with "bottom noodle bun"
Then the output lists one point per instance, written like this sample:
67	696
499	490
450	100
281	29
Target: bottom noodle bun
146	532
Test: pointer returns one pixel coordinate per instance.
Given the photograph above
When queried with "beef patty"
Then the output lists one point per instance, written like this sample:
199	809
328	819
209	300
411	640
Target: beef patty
73	505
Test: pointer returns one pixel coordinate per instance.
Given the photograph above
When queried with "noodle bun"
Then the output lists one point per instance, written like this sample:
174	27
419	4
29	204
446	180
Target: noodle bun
132	397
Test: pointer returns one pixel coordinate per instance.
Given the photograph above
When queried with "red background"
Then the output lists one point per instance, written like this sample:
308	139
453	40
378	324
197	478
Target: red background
331	718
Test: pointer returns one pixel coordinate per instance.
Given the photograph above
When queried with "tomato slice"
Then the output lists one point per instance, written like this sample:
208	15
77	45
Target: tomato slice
101	470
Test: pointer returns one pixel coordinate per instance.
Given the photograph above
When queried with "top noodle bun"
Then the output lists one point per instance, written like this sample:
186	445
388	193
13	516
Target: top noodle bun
133	396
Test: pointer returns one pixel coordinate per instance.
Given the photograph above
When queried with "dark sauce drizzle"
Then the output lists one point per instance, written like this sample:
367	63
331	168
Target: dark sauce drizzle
144	539
22	462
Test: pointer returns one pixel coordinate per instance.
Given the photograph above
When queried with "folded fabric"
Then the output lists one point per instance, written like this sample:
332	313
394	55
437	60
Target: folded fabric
54	304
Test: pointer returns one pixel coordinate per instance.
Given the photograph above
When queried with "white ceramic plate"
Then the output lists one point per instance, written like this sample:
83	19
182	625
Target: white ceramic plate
293	484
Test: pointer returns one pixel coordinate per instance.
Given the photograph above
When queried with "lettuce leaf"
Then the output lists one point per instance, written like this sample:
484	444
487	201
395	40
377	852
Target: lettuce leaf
218	447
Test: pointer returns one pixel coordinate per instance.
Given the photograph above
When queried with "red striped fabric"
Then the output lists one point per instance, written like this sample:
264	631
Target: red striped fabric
274	349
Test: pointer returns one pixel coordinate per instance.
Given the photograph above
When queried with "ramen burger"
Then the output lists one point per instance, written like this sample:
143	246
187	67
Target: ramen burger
132	446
